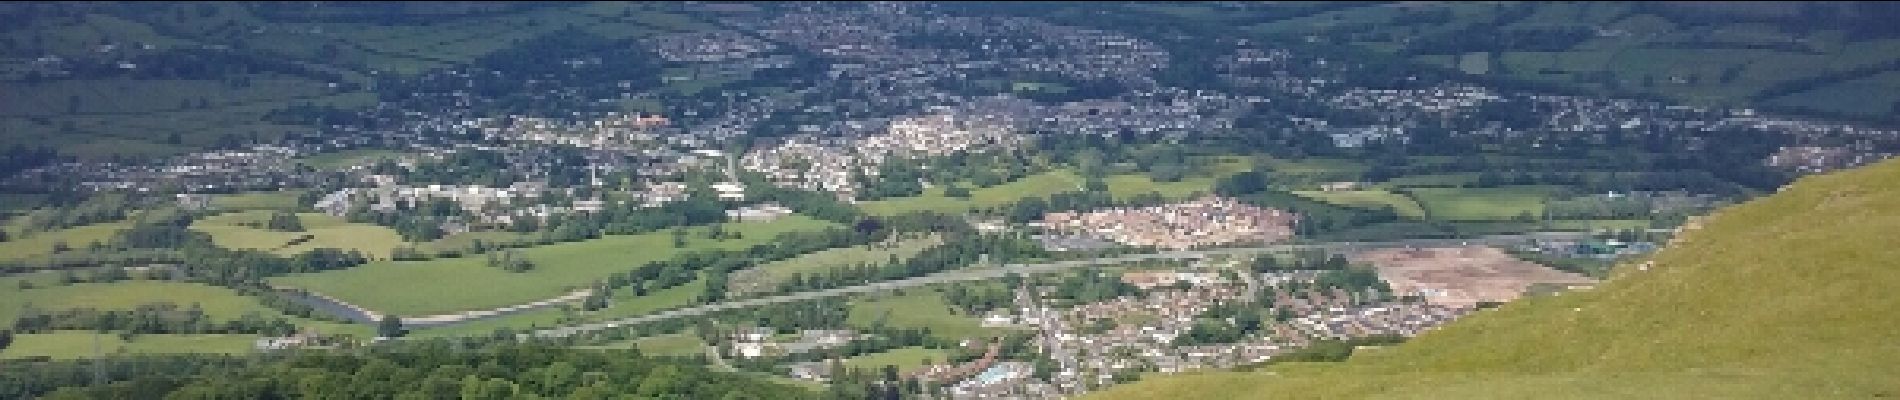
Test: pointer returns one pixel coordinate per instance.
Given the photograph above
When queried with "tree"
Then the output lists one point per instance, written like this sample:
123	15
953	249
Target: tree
956	191
284	222
390	327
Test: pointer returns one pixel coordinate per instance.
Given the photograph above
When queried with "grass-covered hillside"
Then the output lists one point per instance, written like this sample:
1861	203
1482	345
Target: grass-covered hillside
1787	296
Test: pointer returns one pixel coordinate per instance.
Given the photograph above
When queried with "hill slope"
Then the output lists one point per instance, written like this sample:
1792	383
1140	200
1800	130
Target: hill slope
1787	296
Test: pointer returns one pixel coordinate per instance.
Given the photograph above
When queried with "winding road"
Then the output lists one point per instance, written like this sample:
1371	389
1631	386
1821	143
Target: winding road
984	273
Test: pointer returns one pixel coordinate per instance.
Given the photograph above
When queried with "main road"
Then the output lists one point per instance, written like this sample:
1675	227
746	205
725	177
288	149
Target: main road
986	273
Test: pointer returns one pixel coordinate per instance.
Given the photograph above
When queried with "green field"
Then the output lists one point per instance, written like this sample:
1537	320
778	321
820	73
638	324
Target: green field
906	359
347	158
1786	296
768	276
324	231
1057	181
1481	204
280	200
72	345
673	344
1368	199
462	241
459	284
916	308
41	244
1604	224
623	304
526	320
1039	185
220	304
1875	95
1431	180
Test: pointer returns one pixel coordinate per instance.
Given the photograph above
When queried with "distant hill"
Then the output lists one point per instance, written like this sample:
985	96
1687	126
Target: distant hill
1789	296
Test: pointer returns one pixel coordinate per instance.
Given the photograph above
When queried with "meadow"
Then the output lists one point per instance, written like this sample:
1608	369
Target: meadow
1479	204
915	308
284	200
1368	199
768	276
40	244
73	345
420	287
906	359
322	231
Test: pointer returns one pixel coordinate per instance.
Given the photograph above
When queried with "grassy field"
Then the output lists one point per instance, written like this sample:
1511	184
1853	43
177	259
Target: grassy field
675	344
1786	296
541	318
1057	181
461	241
1603	224
346	158
1430	180
1368	199
219	303
447	285
41	244
915	308
768	276
907	359
1039	185
1875	95
281	200
73	345
323	230
1477	204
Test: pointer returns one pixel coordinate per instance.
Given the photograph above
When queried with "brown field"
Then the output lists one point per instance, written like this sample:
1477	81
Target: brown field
1463	276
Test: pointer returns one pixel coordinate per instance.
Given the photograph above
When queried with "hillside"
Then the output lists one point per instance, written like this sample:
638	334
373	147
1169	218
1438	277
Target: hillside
1787	296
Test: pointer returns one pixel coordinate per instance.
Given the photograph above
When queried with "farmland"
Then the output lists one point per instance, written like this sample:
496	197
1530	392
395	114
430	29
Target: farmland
768	276
1477	204
906	359
320	231
1038	185
71	345
916	308
1368	199
417	287
42	243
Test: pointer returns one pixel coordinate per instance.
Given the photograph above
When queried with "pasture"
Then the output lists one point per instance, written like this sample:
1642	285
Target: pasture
320	231
673	344
75	345
1481	204
26	247
1038	185
285	200
768	276
915	308
1374	199
218	303
906	359
437	286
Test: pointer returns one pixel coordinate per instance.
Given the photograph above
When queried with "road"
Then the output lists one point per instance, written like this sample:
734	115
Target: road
986	273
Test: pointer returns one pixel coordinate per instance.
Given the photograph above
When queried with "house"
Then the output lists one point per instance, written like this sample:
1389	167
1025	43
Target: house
731	191
194	201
